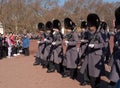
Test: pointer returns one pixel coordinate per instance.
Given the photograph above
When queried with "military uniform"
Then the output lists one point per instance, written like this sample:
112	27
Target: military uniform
115	66
71	55
106	37
93	54
48	41
83	42
55	57
41	45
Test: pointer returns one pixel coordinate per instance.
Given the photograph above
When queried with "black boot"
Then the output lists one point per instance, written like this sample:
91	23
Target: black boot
66	72
37	61
73	73
51	67
45	65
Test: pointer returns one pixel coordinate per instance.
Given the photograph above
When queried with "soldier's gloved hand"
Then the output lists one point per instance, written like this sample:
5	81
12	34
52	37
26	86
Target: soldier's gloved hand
91	45
53	43
38	41
45	39
82	40
66	42
54	32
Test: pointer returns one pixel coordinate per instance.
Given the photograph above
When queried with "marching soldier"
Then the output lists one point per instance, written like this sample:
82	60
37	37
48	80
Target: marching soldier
115	66
48	41
106	38
70	51
39	56
55	55
83	40
93	52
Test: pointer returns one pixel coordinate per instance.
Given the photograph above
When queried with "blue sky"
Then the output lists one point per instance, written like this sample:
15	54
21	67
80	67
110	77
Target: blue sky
111	0
62	1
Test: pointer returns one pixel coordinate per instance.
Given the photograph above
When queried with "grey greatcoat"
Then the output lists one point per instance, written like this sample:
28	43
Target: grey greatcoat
71	53
46	50
93	59
56	50
41	46
115	62
106	38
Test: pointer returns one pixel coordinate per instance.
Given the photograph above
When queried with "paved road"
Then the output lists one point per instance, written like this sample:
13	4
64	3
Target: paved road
18	72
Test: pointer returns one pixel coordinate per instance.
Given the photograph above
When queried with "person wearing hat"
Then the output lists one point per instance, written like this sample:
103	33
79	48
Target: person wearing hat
71	53
115	66
41	44
106	36
93	57
84	30
48	41
55	56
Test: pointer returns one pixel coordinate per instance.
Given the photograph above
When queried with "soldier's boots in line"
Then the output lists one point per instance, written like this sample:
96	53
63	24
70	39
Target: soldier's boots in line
72	73
45	64
37	61
51	67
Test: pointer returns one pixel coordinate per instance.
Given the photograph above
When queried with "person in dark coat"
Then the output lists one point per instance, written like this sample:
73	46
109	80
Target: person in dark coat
84	31
55	57
5	47
115	66
48	41
93	54
106	37
41	45
71	53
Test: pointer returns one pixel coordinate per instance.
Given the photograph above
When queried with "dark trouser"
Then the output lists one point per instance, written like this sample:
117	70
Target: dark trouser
14	50
73	73
5	51
51	65
1	52
26	51
86	77
59	68
70	72
111	85
44	63
95	82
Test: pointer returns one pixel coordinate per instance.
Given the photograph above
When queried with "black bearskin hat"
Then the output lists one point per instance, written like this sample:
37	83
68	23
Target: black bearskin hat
117	17
57	24
104	25
83	24
40	26
93	20
69	24
49	25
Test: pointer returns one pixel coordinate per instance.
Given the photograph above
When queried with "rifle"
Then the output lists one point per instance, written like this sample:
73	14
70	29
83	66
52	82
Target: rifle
86	51
55	38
